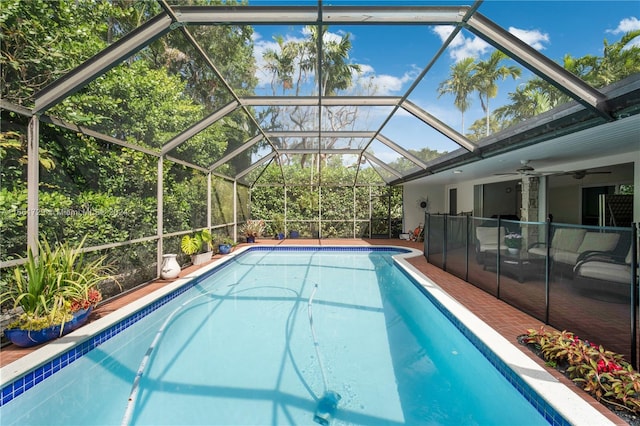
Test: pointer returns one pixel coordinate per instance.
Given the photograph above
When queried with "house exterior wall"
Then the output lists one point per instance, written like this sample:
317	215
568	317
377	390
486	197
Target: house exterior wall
561	198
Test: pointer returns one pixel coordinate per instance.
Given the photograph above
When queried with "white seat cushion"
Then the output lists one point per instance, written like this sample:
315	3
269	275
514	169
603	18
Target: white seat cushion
568	239
488	238
613	272
565	256
599	241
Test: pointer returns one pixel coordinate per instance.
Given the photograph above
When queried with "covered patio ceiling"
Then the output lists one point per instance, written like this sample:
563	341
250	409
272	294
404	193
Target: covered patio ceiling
362	127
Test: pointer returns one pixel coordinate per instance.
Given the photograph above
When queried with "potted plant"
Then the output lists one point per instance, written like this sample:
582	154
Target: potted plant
54	293
199	246
252	229
224	247
278	226
513	241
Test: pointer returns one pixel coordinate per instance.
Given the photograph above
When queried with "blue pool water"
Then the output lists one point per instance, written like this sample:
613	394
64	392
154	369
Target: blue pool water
260	341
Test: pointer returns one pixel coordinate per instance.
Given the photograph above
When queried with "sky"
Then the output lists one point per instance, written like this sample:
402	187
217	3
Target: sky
392	56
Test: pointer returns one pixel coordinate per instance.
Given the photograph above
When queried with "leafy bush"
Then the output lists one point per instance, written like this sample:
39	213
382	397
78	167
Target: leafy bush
604	374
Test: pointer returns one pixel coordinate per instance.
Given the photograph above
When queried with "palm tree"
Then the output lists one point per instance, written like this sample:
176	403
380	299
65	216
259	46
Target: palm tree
296	62
619	60
460	84
337	73
486	74
526	102
282	64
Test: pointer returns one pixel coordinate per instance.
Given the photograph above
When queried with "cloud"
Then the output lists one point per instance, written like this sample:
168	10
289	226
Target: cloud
383	84
533	38
464	47
461	47
626	25
259	47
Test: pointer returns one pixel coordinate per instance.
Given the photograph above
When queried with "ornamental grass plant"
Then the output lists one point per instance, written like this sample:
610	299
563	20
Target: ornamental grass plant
253	228
52	285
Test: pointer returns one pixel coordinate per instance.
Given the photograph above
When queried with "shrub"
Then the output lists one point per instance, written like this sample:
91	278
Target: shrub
604	374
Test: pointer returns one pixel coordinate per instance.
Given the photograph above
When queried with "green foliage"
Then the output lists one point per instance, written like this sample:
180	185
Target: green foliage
133	102
619	60
42	40
604	374
13	154
425	154
200	242
101	217
13	220
626	189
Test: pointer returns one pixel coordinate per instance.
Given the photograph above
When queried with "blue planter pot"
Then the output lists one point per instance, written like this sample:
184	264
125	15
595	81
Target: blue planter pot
224	248
251	239
294	234
280	236
28	338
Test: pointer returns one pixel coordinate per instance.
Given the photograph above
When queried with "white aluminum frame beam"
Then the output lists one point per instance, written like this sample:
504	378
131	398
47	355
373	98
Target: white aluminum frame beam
256	165
185	163
321	134
382	164
33	184
207	15
159	215
200	126
248	144
539	64
397	148
102	62
315	101
439	126
321	151
423	15
309	15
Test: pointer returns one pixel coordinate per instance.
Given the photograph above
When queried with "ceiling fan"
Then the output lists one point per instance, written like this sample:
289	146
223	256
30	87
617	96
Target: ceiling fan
524	170
580	174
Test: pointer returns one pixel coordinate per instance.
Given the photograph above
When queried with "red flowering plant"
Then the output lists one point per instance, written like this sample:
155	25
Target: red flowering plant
604	374
93	298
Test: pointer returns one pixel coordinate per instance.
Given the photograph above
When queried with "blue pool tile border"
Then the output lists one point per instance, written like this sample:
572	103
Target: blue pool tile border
29	380
32	378
540	404
397	250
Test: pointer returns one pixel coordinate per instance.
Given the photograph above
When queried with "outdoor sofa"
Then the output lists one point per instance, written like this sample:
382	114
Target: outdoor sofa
568	244
489	238
604	273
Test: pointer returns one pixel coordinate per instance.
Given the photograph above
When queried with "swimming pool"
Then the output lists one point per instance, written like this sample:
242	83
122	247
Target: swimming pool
260	338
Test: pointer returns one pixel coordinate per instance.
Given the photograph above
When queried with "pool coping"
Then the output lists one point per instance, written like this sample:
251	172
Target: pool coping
558	396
